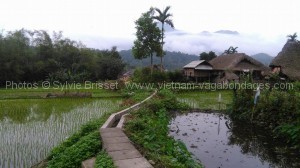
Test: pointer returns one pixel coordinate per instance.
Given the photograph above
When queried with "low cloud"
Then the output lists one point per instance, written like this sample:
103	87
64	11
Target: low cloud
197	43
204	42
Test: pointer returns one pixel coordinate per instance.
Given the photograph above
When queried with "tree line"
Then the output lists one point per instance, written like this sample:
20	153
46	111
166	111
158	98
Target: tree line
34	56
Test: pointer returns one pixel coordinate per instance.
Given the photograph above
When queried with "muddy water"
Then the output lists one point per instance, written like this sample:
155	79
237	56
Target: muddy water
218	142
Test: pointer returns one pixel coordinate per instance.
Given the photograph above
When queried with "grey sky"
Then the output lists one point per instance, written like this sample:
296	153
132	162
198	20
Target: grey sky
263	24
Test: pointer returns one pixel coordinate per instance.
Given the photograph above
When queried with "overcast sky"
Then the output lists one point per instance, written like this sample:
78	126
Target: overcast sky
262	24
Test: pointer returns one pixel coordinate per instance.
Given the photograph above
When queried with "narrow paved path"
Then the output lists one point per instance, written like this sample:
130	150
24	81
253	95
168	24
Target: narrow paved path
119	147
117	144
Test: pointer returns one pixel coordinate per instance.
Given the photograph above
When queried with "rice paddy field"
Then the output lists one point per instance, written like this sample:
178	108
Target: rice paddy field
212	100
31	127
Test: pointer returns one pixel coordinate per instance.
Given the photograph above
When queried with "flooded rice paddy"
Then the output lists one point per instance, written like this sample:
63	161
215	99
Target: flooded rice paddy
218	142
30	128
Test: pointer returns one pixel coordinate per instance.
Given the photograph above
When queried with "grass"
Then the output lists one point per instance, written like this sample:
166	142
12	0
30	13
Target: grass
148	129
206	100
103	160
82	144
31	125
42	93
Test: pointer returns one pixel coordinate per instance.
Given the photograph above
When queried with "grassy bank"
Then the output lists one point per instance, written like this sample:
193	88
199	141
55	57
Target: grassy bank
86	143
148	129
80	146
277	110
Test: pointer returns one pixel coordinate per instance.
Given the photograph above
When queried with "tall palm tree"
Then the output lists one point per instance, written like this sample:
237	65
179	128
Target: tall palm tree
163	17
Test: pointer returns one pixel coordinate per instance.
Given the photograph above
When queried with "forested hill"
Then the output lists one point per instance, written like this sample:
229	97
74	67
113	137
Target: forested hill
171	61
263	58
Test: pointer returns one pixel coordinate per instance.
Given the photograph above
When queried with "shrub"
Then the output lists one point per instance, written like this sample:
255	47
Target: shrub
278	110
103	160
292	131
176	76
149	130
84	130
144	76
85	148
276	107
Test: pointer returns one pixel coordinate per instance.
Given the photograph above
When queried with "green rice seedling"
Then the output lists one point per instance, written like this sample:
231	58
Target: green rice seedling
30	128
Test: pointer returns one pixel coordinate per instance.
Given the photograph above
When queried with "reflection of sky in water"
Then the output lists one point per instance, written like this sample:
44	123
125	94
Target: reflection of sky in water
28	141
207	136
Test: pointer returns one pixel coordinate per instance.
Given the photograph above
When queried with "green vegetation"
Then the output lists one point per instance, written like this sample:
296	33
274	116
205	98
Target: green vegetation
80	146
164	18
148	129
103	160
144	75
33	56
86	142
206	100
42	93
148	36
208	56
84	148
276	110
172	60
30	128
263	58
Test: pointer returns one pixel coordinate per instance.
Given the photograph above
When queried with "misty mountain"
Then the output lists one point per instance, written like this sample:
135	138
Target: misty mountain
171	61
263	58
227	32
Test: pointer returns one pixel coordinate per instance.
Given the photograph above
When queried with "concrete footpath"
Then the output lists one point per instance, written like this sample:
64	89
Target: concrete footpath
117	144
119	147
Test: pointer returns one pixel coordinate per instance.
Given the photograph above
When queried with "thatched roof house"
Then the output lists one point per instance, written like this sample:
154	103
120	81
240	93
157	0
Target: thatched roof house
287	62
234	64
237	62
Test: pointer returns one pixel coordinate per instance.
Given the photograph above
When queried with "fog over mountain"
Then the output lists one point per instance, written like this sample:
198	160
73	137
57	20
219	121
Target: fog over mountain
195	43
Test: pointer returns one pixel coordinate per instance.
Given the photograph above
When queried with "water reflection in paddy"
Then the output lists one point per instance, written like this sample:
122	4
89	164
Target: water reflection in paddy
218	142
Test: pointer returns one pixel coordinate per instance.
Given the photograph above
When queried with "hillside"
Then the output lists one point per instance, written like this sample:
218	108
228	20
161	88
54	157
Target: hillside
263	58
172	60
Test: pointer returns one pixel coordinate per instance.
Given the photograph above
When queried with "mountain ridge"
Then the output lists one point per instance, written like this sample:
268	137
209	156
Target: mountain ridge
176	60
264	58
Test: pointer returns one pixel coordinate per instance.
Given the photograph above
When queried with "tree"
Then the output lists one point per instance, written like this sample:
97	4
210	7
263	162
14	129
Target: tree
33	56
292	37
208	56
163	17
148	38
231	50
110	65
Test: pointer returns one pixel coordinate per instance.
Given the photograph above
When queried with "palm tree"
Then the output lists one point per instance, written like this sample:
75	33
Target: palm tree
292	37
231	50
163	17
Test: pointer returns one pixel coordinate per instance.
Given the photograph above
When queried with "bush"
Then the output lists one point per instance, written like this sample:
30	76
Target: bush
85	130
85	148
176	76
296	86
292	131
144	76
278	110
149	130
78	147
103	160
